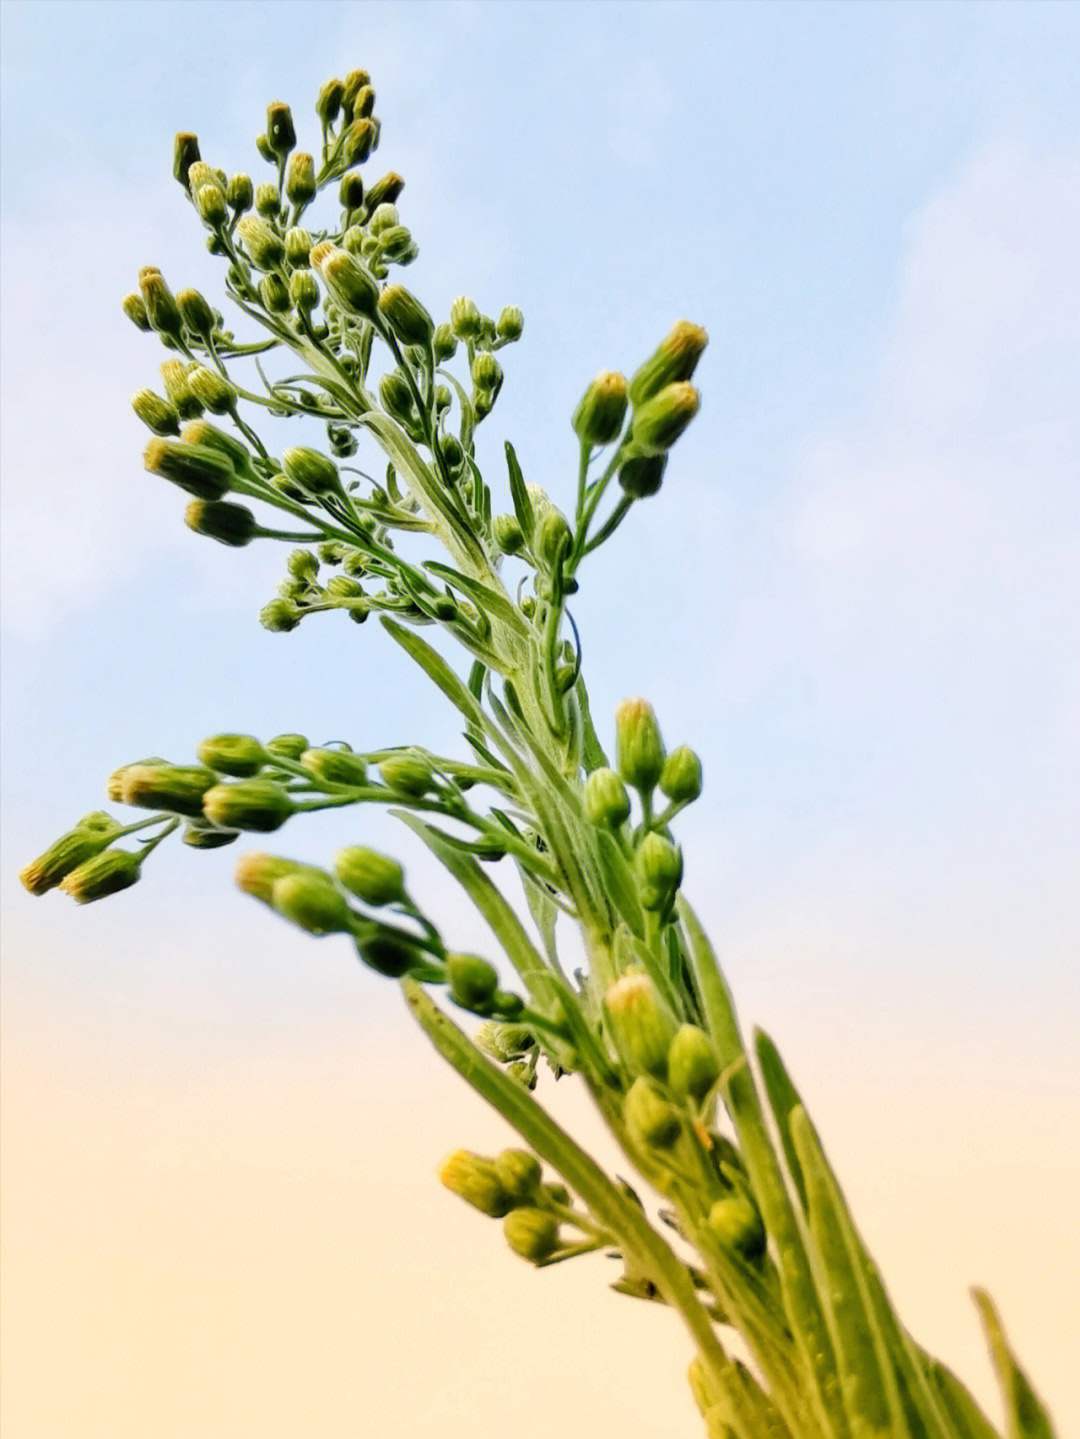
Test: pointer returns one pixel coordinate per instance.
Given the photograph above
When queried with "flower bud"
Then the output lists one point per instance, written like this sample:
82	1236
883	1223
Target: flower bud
196	313
229	524
99	822
252	804
474	1178
267	200
639	749
203	434
508	534
692	1066
274	294
200	174
503	1041
650	1119
642	475
311	901
641	1025
312	471
257	873
185	154
300	185
351	190
388	954
213	391
660	421
363	103
680	779
385	191
239	192
349	282
472	980
179	393
156	414
161	308
205	836
397	246
511	323
279	616
176	788
406	316
358	142
453	455
58	861
552	537
486	371
735	1223
297	246
518	1172
532	1233
606	802
135	310
101	876
334	767
397	397
383	217
280	132
304	291
343	587
444	343
199	470
240	755
303	565
288	746
375	878
355	81
674	360
328	105
660	866
262	144
408	773
262	242
114	785
599	416
211	205
464	318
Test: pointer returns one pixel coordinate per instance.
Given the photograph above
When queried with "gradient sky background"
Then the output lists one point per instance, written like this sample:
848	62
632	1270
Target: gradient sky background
857	596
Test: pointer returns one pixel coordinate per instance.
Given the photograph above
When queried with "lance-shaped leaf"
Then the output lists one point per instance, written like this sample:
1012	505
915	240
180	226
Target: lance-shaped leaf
1027	1419
520	495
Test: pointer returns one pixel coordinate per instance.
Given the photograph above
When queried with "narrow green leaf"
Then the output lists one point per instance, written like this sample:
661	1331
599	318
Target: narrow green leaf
520	494
619	881
711	985
783	1097
1027	1418
437	670
487	599
967	1418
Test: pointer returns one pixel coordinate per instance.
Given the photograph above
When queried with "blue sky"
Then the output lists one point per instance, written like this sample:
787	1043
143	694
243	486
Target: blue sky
856	594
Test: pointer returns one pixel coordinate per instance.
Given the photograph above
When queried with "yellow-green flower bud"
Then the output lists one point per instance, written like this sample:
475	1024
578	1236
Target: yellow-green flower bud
229	524
274	294
474	1178
508	534
409	774
288	746
135	310
606	802
660	866
211	205
444	343
334	767
303	565
342	587
355	81
200	471
205	836
385	191
114	785
396	396
99	822
101	876
213	391
511	323
396	245
58	861
650	1119
311	901
359	141
257	873
486	371
641	1025
312	471
262	144
348	280
240	193
196	313
532	1233
680	779
735	1223
262	241
660	421
304	291
279	616
472	980
552	537
200	174
599	416
406	316
692	1065
383	217
300	179
298	244
176	788
675	359
185	154
156	414
453	455
363	103
464	318
328	105
639	750
240	755
161	309
519	1173
207	436
388	954
503	1041
251	804
351	190
174	375
642	475
280	131
375	878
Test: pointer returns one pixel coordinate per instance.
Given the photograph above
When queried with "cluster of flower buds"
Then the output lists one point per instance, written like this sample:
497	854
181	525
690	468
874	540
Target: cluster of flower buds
82	864
511	1187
